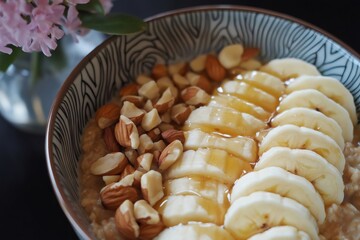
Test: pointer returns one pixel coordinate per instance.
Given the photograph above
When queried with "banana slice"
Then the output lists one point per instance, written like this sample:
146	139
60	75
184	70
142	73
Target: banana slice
304	138
223	120
287	68
262	210
199	186
249	93
325	177
239	105
264	81
200	231
305	117
310	98
281	233
277	180
330	87
242	147
183	209
206	162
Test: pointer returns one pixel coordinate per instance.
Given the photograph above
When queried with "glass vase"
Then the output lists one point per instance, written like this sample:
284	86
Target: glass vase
25	96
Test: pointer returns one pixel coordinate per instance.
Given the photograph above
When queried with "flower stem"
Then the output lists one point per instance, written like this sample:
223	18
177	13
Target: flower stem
34	67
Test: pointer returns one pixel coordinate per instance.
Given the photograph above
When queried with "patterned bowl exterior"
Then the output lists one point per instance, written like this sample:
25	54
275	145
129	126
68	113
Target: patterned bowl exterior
174	36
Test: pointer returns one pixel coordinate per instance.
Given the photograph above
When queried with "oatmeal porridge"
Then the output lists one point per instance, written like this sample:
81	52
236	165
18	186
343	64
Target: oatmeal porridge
208	147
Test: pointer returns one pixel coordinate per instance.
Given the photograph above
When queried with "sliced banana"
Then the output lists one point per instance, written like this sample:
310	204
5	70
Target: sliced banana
287	68
264	81
192	231
331	87
240	105
325	177
277	180
305	117
261	210
281	233
223	120
310	98
249	93
211	163
242	147
199	186
179	209
304	138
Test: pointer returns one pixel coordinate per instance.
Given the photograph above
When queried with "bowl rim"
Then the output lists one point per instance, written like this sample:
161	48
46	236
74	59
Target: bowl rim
81	229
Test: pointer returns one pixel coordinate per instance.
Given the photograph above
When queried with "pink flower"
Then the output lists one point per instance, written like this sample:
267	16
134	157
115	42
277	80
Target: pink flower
107	5
72	22
13	29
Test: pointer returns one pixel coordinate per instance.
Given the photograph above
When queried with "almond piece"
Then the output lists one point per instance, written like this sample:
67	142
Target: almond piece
195	96
198	63
159	71
230	56
129	89
112	163
165	102
159	145
149	90
126	133
154	134
150	120
107	115
142	79
148	232
139	101
180	113
250	53
146	144
127	171
145	214
180	68
113	195
165	126
130	111
180	81
144	162
165	83
151	187
137	178
166	117
125	221
200	81
170	155
214	69
171	135
110	141
108	179
131	155
251	64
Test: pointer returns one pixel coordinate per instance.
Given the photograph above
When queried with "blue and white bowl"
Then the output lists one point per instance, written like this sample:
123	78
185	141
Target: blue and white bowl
171	37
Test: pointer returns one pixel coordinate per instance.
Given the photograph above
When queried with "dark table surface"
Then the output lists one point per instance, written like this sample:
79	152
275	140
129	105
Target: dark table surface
28	207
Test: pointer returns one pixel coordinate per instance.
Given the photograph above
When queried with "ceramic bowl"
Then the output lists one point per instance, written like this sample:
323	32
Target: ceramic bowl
171	37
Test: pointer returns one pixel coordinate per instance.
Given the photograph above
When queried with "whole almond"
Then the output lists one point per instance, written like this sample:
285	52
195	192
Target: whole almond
214	69
107	115
110	141
112	195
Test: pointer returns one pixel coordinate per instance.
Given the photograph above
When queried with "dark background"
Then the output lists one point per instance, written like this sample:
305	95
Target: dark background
28	207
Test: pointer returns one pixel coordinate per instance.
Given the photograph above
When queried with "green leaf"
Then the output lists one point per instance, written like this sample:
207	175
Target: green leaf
6	60
114	24
93	6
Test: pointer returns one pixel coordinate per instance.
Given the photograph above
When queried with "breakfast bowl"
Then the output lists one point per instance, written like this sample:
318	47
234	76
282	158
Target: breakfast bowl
171	38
